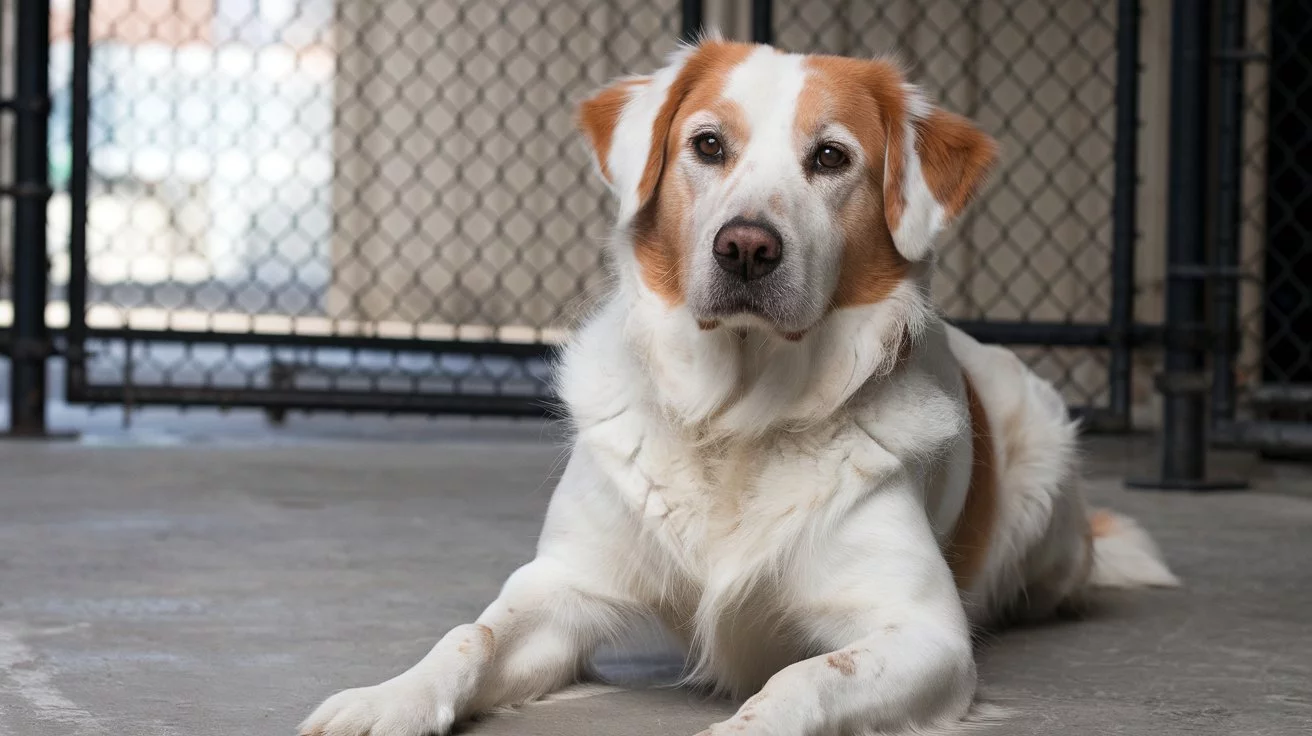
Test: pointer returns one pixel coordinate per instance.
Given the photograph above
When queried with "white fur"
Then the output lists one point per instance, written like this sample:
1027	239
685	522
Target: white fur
1128	558
923	217
781	506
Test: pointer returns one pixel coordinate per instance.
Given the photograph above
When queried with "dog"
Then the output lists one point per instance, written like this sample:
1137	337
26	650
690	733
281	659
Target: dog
781	450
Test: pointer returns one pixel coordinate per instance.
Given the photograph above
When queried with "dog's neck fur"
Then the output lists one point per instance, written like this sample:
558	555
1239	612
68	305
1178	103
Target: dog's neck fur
723	384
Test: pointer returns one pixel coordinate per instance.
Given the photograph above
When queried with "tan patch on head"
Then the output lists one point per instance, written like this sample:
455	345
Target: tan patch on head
1102	524
860	96
660	230
844	662
969	544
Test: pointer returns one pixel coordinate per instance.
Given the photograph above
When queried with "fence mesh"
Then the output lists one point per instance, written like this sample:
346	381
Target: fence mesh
1287	333
1276	246
355	168
1248	369
408	169
1040	76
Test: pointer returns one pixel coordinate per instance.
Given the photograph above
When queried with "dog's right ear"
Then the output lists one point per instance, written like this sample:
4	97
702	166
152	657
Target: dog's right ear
628	123
623	125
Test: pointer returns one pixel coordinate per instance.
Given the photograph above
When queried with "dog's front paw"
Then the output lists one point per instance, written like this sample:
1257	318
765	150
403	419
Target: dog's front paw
394	708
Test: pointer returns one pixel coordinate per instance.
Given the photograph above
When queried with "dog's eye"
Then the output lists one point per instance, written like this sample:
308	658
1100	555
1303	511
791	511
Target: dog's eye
830	157
708	147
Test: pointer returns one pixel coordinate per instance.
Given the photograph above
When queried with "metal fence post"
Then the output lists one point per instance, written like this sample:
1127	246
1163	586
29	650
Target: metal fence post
75	377
30	339
690	19
1124	217
1184	382
763	21
1230	57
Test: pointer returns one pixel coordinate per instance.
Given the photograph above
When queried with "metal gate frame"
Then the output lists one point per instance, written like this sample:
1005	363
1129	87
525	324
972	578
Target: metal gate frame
1280	411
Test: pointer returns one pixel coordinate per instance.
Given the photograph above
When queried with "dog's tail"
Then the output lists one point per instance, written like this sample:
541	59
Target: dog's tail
1124	556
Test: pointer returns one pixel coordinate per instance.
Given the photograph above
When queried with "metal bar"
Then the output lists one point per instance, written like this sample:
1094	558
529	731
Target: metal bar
79	143
1183	449
690	19
1283	396
1290	436
30	340
1183	382
343	342
306	400
763	21
1227	210
1125	156
1061	334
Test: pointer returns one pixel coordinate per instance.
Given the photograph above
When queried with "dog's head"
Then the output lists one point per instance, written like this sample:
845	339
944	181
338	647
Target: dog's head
765	188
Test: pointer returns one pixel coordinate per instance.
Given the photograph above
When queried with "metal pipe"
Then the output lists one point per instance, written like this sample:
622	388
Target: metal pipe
30	340
1227	207
1124	218
690	19
79	144
763	21
1183	383
332	400
1183	448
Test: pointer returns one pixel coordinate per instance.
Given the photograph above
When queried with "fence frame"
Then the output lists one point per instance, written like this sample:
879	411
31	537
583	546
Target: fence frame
1279	436
1119	334
28	342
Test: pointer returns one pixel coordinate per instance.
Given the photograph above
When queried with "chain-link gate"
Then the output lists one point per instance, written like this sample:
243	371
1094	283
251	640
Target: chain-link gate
1262	394
350	204
1044	261
383	205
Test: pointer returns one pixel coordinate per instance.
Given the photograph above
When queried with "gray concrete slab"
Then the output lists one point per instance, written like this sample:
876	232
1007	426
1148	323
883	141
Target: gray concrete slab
214	578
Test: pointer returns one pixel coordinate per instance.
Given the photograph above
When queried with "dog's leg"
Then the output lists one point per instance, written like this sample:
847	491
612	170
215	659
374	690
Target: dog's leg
880	600
536	637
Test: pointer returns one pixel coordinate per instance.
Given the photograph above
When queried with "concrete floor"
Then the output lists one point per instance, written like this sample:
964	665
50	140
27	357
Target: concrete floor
211	577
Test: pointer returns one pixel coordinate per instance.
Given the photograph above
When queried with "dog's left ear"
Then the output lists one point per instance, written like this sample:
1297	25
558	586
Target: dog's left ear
934	164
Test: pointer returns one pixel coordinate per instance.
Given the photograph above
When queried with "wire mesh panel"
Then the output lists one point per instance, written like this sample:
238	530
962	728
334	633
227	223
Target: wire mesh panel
1287	324
1040	76
1274	371
1248	369
304	200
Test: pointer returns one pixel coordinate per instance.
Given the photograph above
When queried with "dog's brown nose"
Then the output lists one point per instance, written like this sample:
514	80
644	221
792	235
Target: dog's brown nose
748	250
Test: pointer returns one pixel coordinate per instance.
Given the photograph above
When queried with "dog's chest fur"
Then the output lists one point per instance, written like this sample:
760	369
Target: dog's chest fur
718	524
707	502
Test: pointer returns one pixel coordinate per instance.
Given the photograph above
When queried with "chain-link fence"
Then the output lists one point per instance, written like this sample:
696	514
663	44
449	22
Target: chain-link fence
384	204
350	203
1268	387
1041	77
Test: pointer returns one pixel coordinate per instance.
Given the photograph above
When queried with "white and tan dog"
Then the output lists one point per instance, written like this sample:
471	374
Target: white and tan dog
782	451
